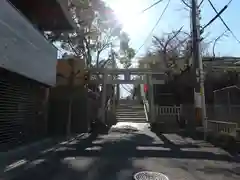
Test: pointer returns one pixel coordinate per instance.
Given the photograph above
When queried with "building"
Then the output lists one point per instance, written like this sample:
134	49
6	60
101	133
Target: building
66	67
27	66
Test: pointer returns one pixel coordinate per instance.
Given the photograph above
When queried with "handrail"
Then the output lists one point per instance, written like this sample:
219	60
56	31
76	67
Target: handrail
145	103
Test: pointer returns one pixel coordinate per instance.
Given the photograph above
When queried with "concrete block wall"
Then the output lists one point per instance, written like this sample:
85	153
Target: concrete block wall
84	110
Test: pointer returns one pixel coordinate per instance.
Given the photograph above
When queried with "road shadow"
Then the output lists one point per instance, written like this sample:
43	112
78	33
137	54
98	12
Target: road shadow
139	145
35	162
224	171
225	142
60	164
111	156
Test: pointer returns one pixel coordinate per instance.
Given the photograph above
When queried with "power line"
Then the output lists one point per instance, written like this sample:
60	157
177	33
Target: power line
200	3
126	89
214	18
213	7
154	4
164	10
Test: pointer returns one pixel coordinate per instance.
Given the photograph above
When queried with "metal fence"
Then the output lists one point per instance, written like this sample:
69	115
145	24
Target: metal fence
222	127
227	104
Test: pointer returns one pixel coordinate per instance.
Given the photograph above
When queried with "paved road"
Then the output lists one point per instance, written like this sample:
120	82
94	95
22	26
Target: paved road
131	148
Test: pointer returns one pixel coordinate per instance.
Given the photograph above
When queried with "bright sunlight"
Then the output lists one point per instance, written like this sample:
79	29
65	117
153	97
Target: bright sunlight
127	11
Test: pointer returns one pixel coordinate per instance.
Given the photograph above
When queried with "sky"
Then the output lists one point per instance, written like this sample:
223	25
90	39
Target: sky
138	26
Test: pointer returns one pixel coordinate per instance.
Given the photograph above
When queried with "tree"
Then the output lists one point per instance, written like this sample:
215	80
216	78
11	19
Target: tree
126	53
96	29
224	34
169	48
126	58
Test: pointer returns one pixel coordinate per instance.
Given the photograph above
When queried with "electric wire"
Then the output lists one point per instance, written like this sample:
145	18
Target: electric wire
159	19
151	6
224	23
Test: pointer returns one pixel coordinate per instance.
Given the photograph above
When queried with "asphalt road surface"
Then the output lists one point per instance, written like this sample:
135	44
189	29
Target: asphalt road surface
130	148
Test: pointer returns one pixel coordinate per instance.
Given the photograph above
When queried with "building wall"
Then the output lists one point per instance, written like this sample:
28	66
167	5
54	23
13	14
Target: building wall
23	49
60	96
59	102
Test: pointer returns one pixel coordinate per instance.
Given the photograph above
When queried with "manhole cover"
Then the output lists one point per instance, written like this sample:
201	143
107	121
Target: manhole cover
148	175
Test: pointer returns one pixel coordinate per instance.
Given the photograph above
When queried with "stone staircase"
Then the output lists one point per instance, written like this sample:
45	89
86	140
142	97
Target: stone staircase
130	111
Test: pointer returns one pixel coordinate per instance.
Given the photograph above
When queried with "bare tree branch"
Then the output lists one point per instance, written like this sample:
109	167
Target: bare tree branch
165	44
73	49
216	40
186	4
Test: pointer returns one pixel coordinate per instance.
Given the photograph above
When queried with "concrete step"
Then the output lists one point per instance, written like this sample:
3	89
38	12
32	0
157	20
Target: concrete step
129	111
130	108
131	118
125	107
130	114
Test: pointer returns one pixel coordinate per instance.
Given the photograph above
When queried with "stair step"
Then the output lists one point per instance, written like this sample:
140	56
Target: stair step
129	105
127	118
131	116
130	113
130	108
126	107
133	112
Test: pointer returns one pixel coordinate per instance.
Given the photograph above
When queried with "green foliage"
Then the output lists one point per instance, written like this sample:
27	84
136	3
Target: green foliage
130	52
126	59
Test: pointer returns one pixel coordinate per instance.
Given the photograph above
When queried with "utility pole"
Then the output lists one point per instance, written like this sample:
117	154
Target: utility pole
199	97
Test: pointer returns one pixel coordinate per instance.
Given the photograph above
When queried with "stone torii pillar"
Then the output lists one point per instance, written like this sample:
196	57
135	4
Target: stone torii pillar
104	93
151	99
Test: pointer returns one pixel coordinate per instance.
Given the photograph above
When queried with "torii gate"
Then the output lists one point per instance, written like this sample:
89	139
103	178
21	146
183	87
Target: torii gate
146	77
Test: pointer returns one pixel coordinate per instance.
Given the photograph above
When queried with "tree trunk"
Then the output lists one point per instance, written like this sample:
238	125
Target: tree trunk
71	84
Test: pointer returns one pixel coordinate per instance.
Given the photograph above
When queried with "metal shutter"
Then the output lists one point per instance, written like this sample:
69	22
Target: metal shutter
17	111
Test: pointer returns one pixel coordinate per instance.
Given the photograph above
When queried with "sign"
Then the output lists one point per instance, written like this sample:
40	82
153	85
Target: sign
197	98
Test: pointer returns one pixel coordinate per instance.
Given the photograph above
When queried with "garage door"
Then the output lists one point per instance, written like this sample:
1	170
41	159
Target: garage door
18	110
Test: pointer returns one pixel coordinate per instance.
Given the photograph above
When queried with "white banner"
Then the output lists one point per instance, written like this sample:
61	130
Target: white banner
197	98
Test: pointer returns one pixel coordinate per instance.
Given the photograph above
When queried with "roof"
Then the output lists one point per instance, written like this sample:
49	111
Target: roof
211	63
47	15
